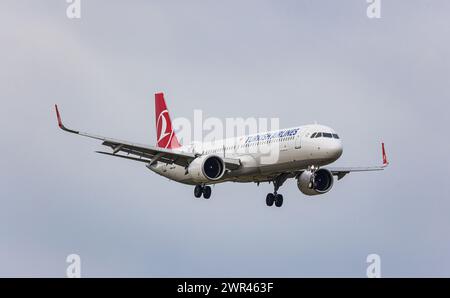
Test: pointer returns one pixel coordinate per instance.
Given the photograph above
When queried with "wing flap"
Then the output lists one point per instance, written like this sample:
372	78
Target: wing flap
124	156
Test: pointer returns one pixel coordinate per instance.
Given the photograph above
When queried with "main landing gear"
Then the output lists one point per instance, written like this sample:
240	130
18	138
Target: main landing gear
275	197
200	189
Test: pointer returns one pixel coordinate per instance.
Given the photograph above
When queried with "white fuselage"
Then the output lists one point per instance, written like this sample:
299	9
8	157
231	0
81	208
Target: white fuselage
263	155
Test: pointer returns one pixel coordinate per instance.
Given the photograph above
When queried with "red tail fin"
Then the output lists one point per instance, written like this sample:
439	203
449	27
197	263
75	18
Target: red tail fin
165	136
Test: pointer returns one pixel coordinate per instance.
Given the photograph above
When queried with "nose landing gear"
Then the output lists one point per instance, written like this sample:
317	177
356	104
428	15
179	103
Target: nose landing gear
312	180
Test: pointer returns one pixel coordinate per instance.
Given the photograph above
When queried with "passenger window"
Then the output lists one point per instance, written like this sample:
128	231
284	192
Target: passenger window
327	135
335	136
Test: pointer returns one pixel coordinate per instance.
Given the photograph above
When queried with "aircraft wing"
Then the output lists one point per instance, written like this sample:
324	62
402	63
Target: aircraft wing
143	153
341	172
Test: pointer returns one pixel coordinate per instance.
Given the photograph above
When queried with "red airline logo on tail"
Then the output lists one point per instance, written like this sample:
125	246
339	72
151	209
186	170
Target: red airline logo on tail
165	136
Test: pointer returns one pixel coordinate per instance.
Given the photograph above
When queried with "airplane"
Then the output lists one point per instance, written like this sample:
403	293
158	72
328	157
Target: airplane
303	153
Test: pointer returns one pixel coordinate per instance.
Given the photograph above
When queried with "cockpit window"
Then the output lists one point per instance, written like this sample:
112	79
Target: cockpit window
324	135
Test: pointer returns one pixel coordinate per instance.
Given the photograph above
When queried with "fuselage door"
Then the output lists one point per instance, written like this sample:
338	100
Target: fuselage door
298	141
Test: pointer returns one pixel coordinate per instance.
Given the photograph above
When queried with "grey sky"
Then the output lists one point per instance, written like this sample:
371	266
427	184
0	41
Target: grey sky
301	61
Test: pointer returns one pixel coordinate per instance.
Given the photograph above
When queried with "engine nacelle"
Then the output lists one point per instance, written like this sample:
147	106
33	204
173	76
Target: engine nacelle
315	183
207	168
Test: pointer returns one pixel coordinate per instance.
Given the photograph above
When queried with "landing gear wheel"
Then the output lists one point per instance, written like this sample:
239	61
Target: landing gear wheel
207	192
198	190
270	198
278	200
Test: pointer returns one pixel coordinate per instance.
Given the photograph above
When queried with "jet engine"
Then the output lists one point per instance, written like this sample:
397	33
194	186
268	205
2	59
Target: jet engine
315	182
207	168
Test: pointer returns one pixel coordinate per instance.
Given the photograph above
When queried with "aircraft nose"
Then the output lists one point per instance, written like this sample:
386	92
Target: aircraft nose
335	149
